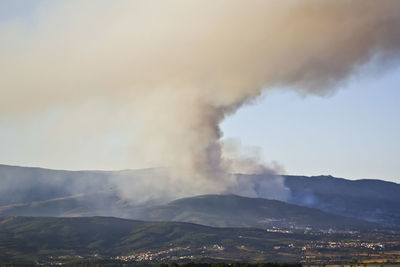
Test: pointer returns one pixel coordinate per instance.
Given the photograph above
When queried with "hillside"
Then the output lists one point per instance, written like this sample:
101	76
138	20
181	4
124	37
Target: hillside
43	192
26	184
60	240
237	211
27	239
373	200
211	210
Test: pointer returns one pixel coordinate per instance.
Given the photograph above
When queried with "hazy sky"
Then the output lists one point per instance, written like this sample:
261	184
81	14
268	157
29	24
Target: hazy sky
353	133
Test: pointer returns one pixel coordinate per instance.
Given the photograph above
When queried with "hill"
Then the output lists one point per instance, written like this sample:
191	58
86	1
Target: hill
372	200
43	192
24	239
211	210
45	240
237	211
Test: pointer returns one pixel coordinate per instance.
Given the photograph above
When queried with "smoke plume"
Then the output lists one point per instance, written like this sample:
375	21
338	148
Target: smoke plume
177	68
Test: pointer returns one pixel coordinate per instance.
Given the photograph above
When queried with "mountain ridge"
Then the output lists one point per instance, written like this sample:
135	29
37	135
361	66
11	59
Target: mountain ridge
372	200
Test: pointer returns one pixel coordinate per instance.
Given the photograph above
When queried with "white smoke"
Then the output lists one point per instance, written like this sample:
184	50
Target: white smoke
177	68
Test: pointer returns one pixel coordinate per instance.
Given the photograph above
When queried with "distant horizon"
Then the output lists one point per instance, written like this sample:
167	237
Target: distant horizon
149	168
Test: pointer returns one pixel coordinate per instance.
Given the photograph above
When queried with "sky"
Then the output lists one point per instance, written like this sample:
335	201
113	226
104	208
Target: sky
352	132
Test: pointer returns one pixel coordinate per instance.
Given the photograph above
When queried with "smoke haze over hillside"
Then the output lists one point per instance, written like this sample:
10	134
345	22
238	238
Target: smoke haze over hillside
172	70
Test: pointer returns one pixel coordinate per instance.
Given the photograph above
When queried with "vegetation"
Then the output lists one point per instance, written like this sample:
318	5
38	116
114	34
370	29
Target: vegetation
188	264
50	240
238	211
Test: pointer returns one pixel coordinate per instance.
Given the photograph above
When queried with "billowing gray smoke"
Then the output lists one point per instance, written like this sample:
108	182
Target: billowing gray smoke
177	68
